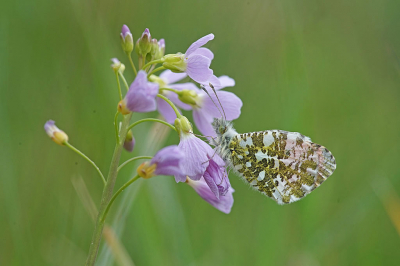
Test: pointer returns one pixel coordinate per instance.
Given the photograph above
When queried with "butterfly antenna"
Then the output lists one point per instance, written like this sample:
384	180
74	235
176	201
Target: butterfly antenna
204	89
212	87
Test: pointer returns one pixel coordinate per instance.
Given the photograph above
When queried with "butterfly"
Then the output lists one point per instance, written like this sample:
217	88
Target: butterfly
285	166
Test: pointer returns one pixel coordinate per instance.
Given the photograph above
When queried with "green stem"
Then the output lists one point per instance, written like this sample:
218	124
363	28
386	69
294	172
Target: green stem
87	159
103	218
155	70
107	194
151	120
126	83
152	63
119	85
132	64
132	160
170	103
116	126
169	89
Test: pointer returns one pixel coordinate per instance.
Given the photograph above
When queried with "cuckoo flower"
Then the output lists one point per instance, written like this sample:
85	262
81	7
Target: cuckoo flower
223	203
200	160
141	96
195	62
167	161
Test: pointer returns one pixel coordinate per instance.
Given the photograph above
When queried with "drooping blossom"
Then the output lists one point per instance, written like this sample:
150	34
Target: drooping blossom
141	96
195	62
167	161
56	134
223	203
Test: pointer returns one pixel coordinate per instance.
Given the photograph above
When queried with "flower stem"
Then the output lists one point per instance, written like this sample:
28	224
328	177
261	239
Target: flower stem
132	160
126	83
152	63
107	193
132	64
155	70
170	103
169	89
116	126
119	85
151	120
103	218
87	159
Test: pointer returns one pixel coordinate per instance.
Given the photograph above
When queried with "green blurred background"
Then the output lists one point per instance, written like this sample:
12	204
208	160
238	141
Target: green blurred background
327	69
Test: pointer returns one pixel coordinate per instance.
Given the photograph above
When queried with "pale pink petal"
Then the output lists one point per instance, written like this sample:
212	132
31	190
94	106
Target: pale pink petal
205	52
198	68
200	42
203	120
229	101
170	77
226	81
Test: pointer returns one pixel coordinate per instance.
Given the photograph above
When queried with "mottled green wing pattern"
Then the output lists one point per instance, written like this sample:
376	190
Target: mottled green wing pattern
285	166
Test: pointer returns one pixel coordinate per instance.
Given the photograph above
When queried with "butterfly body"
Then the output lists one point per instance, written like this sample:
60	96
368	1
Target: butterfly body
285	166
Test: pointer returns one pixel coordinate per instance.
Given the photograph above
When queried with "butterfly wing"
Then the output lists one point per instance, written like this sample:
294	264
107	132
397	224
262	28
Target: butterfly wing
285	166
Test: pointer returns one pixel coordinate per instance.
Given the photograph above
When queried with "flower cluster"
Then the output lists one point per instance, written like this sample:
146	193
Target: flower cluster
192	161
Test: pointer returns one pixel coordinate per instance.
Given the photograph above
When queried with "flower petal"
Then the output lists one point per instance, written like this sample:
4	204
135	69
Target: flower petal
168	160
141	95
198	68
196	160
203	121
166	110
170	77
205	52
224	203
229	101
200	42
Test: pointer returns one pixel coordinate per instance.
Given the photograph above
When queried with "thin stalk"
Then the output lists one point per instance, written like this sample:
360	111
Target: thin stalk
155	70
132	64
116	195
152	63
151	120
116	127
87	159
124	80
132	160
170	103
119	85
107	193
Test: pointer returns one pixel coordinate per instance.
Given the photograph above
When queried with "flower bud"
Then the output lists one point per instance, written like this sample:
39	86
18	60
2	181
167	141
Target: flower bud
57	135
143	45
129	142
122	108
117	65
175	62
161	45
183	125
126	39
146	170
188	96
155	50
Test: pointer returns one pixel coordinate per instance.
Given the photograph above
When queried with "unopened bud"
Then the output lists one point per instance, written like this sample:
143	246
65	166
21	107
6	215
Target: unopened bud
188	96
129	142
122	107
117	65
57	135
183	125
161	45
143	44
126	39
175	62
145	170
